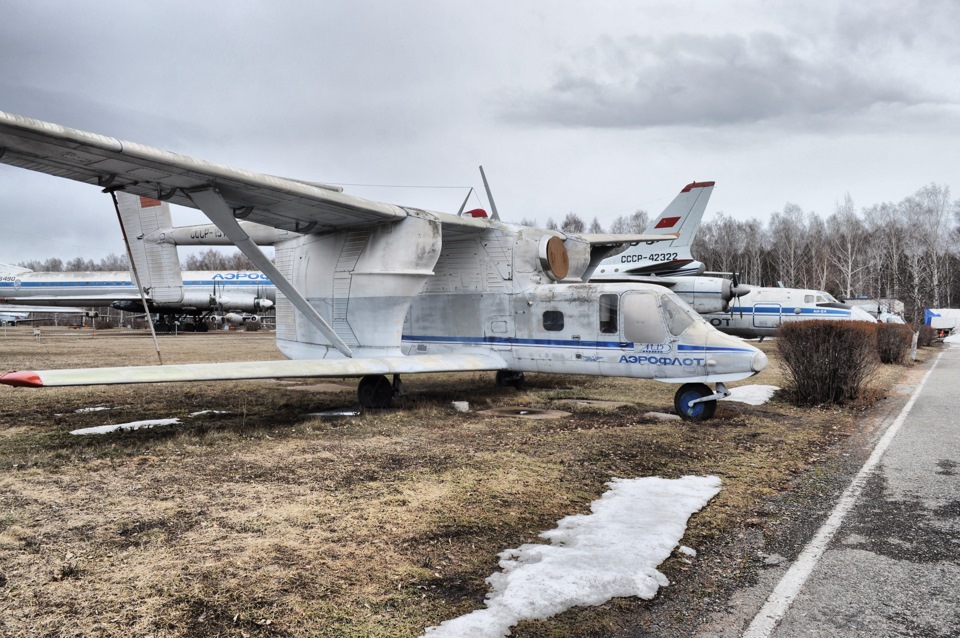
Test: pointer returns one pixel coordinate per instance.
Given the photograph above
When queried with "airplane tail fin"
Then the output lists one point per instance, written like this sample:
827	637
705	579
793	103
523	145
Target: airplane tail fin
683	214
158	265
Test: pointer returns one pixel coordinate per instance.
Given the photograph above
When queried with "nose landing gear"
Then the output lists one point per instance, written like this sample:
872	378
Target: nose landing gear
695	401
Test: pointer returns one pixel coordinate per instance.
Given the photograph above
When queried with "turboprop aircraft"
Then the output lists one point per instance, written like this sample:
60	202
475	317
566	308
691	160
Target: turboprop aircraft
670	263
471	292
762	310
186	298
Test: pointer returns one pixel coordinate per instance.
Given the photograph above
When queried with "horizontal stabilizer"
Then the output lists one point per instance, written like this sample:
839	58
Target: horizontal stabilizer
241	370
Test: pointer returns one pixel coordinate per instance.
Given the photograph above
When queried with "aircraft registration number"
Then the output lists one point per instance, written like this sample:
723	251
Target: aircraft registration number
627	259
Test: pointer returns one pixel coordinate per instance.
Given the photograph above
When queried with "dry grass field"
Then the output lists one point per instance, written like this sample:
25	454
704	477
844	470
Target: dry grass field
253	518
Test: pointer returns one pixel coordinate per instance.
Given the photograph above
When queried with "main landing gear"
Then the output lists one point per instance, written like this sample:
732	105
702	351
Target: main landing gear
376	392
695	401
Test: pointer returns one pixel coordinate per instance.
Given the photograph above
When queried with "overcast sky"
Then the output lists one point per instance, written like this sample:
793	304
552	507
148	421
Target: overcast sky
599	108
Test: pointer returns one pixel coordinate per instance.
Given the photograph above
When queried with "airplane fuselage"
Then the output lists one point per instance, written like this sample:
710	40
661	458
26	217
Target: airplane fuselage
496	291
763	310
235	290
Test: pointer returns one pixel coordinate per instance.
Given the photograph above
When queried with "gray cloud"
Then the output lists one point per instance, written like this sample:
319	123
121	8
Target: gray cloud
709	81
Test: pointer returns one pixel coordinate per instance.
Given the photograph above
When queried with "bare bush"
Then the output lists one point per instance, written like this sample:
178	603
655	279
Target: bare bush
925	336
894	341
828	361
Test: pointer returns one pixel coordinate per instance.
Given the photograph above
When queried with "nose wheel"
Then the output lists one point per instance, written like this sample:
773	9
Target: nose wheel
695	401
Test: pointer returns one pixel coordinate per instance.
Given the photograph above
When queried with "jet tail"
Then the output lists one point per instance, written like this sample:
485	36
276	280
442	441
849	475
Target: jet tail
683	215
158	265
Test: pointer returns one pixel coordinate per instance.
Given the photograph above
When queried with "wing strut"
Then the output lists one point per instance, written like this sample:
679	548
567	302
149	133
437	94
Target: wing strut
136	275
211	203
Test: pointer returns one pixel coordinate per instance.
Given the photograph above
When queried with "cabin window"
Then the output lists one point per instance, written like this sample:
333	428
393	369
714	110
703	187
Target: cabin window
808	299
608	313
642	322
677	318
553	320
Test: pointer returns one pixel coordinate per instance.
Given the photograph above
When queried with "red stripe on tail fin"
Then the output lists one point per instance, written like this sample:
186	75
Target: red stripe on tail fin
667	222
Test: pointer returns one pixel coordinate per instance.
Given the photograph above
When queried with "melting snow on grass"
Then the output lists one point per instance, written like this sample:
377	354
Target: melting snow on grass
133	425
612	552
751	394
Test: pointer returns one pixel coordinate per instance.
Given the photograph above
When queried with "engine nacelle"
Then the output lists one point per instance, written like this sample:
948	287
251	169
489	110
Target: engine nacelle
247	302
704	294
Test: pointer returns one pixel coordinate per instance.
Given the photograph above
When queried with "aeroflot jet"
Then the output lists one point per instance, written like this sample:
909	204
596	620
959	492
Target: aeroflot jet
472	293
670	263
171	293
761	311
668	258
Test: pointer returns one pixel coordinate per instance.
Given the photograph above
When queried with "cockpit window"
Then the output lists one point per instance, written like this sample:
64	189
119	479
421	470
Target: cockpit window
608	313
642	322
677	318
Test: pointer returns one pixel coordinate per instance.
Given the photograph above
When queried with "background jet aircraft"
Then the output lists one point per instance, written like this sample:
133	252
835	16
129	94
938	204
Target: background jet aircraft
761	311
171	293
472	293
667	258
670	263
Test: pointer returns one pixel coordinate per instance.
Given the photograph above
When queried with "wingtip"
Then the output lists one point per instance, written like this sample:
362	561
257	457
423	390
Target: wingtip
21	379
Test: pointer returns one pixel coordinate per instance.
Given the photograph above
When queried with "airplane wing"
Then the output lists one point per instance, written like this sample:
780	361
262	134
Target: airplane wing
292	368
49	304
107	162
16	307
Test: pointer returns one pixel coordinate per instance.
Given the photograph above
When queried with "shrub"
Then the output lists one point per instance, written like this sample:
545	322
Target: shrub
828	361
894	342
926	335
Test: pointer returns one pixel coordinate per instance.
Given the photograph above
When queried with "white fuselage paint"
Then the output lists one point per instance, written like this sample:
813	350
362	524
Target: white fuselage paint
239	289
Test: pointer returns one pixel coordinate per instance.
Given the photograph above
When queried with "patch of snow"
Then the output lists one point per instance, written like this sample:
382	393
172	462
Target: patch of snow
751	394
202	412
594	557
133	425
85	410
687	551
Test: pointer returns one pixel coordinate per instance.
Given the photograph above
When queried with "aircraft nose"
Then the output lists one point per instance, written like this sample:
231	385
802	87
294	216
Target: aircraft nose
759	361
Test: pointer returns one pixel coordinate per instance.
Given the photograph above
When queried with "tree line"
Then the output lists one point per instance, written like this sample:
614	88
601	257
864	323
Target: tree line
909	250
209	259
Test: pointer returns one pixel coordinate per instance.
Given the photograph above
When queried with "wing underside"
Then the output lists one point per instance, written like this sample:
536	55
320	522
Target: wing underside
111	163
256	370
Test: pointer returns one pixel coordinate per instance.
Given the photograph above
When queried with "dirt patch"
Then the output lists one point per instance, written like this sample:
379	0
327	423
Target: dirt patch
259	520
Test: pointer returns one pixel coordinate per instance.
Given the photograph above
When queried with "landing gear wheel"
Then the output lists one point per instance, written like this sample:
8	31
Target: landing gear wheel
698	411
507	377
375	392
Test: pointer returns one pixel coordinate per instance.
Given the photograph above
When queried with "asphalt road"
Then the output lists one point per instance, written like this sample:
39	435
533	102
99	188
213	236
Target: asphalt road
887	561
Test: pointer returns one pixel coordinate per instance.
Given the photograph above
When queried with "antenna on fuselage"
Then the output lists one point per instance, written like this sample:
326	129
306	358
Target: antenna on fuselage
493	207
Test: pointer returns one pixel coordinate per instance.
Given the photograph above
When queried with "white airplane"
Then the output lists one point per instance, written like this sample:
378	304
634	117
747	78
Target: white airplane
704	294
670	263
172	294
667	258
472	293
762	310
12	314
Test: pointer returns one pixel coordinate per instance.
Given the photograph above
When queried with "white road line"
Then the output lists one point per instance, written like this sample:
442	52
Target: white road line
792	582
